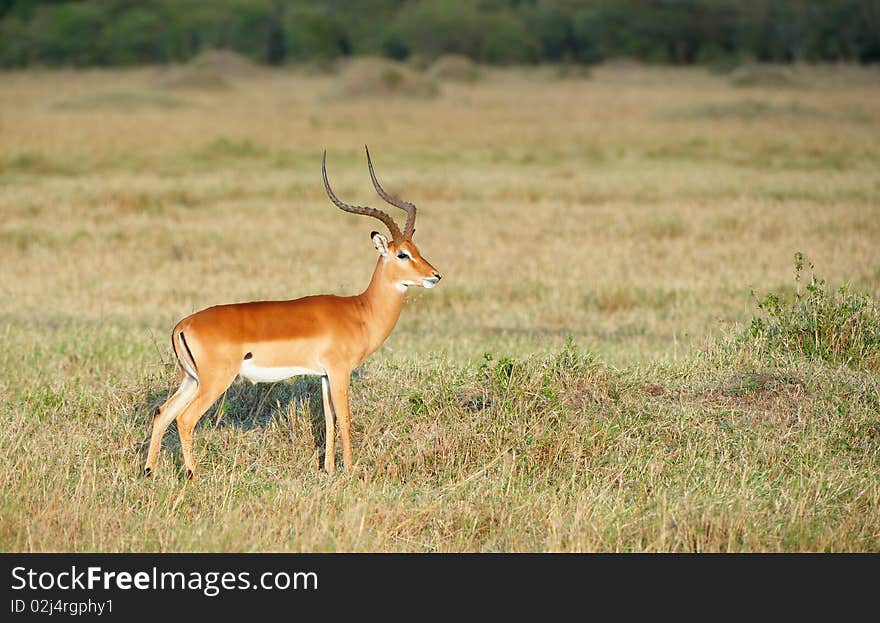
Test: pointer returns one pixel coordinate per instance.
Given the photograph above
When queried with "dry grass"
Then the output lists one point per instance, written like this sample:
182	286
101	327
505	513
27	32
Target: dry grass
633	211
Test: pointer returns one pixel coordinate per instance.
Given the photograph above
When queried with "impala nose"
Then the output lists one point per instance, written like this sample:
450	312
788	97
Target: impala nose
431	281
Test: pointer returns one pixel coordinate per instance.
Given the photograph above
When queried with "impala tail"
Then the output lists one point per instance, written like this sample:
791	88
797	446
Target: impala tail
184	354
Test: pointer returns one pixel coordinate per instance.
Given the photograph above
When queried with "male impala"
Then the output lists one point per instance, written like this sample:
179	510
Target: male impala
269	341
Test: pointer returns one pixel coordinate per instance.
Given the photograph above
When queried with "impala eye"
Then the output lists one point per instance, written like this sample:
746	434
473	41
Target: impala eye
403	256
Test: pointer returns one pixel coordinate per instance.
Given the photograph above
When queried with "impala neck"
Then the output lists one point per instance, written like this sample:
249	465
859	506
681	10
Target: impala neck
384	299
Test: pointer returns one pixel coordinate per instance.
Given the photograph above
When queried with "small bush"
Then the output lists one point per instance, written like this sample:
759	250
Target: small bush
838	327
32	163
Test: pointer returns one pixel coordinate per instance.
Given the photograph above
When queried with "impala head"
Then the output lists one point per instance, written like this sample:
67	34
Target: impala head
402	260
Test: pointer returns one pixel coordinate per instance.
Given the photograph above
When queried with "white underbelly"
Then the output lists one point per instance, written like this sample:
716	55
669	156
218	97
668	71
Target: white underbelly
257	374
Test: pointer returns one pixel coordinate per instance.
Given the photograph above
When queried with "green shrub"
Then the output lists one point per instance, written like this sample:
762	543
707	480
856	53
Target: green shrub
309	34
248	28
722	33
838	327
133	38
431	28
69	34
551	28
587	30
15	46
508	41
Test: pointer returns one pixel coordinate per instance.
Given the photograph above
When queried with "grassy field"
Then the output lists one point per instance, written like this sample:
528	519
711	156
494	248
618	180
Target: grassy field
578	381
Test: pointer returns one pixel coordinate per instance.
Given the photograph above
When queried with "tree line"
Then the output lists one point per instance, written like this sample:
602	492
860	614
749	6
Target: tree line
129	32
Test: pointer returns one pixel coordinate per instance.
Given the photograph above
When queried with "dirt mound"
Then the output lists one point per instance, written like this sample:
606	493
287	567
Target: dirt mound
211	70
371	77
764	76
575	71
224	63
192	78
455	67
621	63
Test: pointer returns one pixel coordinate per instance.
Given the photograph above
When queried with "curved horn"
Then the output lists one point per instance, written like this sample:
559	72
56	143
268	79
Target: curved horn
410	226
379	214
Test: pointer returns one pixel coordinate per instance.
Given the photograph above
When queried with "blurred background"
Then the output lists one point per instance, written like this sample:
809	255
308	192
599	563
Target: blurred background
718	32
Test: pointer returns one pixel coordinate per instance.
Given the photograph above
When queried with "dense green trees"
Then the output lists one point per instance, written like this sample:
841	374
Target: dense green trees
119	32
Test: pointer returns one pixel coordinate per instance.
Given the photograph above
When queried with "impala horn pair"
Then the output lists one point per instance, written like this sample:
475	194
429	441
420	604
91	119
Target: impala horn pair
409	208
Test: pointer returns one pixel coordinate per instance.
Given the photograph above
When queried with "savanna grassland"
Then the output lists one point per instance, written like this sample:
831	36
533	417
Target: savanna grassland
583	379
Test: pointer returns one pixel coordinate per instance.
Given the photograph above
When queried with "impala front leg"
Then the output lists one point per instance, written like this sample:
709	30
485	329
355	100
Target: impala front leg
329	432
339	401
335	386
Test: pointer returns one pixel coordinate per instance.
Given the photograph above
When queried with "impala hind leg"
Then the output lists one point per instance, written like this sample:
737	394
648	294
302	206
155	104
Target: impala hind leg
167	412
188	418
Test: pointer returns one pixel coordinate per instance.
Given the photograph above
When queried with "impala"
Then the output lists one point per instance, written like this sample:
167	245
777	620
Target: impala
268	341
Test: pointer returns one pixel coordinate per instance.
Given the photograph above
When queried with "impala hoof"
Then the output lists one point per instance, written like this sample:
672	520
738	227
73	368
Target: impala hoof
148	471
189	474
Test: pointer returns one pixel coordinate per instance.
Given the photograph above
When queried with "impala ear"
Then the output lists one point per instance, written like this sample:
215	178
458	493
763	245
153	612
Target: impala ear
381	243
